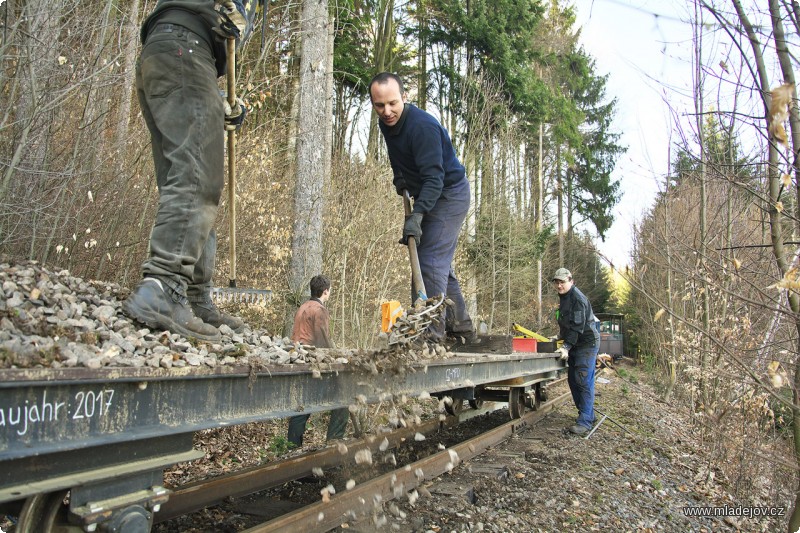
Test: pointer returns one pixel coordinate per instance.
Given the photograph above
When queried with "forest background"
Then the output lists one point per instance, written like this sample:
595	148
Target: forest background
710	294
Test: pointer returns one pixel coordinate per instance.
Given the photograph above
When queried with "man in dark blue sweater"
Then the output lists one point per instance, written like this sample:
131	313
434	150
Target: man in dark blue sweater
424	162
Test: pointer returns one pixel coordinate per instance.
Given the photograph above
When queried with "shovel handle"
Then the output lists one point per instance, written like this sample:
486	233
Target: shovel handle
417	285
231	81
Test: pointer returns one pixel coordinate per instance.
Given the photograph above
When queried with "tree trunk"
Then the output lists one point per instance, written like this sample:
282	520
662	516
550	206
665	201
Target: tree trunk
26	177
569	175
384	41
560	203
539	207
131	38
312	136
782	49
784	58
698	102
673	362
422	56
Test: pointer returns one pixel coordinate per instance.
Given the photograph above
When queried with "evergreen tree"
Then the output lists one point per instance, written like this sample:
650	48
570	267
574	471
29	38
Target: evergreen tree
594	191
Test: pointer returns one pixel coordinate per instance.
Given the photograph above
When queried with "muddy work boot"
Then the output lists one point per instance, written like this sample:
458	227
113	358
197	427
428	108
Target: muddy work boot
578	430
209	313
151	305
463	338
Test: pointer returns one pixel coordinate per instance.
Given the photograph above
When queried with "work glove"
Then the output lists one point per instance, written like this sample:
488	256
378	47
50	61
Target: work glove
563	354
234	19
399	185
234	117
412	228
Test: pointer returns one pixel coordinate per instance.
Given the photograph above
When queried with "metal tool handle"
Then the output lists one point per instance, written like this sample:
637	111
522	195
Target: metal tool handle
231	79
417	285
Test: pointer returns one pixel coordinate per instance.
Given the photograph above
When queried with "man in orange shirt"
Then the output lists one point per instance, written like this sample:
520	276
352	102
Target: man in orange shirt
311	327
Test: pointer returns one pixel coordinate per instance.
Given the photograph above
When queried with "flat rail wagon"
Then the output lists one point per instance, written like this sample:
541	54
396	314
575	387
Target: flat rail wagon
104	436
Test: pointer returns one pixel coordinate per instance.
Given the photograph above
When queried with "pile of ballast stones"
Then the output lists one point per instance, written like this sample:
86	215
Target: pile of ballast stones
55	320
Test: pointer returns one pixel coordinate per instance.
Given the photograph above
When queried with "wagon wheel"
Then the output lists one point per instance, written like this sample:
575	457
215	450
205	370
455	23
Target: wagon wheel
516	402
539	396
455	407
476	403
541	393
44	513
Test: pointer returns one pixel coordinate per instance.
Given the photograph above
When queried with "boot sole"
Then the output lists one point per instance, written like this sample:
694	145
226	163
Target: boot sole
579	433
155	320
235	330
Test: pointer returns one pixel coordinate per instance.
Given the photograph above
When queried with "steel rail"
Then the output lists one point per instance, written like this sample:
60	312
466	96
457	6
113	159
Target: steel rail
198	495
362	499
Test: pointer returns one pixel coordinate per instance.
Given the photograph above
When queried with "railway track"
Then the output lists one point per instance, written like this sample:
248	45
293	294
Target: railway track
351	502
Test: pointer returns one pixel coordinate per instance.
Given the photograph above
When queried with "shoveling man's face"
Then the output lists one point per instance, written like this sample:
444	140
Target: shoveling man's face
387	101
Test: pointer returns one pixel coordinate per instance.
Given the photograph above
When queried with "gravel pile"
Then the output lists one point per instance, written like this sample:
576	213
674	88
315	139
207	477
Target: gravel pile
55	320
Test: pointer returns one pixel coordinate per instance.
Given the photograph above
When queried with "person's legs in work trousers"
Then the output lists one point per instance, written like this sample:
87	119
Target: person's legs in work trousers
458	319
297	426
181	105
337	424
437	246
580	377
199	289
572	382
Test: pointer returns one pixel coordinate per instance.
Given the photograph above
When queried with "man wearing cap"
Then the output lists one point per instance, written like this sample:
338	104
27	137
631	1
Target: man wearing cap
575	317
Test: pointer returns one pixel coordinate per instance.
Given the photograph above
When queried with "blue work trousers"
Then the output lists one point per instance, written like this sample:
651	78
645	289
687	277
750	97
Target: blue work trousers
580	376
176	83
437	246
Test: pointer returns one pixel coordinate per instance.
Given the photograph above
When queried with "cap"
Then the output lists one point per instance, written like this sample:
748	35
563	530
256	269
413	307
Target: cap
562	274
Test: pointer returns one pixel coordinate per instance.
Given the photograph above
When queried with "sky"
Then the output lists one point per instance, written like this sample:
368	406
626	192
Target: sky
645	48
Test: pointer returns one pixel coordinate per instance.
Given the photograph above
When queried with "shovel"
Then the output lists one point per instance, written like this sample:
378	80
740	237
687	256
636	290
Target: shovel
424	310
417	285
231	293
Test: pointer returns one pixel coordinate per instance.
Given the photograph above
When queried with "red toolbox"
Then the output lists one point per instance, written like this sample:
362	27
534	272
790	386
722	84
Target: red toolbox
521	344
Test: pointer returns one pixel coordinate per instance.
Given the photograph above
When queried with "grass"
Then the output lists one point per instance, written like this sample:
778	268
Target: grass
628	375
279	445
